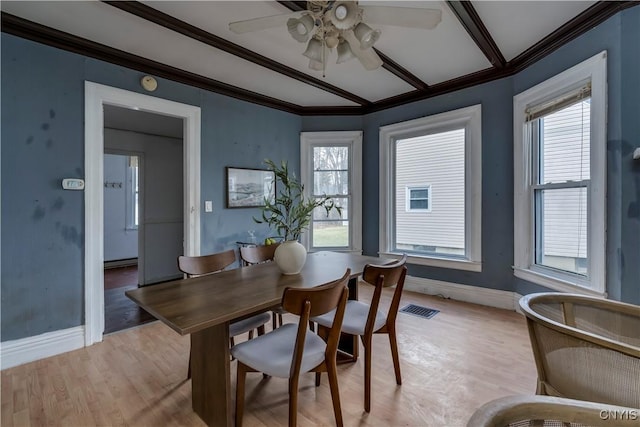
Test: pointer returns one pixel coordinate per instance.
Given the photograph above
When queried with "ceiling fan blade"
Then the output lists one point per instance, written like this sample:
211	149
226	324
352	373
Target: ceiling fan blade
368	57
413	17
262	23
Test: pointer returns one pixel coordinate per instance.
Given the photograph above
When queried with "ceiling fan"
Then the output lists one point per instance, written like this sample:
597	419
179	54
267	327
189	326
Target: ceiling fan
342	25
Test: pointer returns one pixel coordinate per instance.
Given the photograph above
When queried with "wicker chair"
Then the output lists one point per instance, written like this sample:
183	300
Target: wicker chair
545	411
585	348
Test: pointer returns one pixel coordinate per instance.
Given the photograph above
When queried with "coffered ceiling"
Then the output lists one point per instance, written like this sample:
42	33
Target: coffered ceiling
190	42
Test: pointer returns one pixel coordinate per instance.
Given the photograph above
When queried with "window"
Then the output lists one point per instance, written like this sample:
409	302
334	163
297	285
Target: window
331	164
560	155
133	188
418	199
437	223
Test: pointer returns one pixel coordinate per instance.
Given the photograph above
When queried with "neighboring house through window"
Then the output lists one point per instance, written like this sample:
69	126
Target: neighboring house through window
331	164
560	159
430	189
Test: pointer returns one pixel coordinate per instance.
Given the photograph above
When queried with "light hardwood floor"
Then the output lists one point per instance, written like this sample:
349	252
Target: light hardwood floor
451	364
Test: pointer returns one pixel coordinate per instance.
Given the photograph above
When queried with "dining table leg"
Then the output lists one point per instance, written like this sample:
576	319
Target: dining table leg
210	375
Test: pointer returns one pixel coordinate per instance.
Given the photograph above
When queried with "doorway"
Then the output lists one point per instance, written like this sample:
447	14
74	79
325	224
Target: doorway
96	98
122	197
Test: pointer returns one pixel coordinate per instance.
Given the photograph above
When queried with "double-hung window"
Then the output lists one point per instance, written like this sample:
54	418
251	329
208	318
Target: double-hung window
430	189
560	157
331	164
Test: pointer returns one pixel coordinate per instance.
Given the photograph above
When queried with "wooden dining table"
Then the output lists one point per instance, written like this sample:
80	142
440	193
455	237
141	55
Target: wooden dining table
203	307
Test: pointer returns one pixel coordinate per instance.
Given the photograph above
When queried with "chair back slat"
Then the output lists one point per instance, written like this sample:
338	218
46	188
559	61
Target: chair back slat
391	272
323	298
206	264
258	254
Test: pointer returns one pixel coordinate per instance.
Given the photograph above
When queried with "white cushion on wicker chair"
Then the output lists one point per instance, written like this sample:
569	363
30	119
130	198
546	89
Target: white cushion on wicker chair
248	324
355	318
272	353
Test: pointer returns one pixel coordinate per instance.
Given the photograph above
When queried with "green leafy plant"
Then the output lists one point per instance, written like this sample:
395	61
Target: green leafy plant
290	212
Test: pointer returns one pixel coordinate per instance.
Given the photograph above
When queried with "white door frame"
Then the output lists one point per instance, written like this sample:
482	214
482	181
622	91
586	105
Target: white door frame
97	95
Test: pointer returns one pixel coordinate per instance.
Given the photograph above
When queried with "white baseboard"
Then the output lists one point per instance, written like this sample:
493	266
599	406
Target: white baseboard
25	350
507	300
516	303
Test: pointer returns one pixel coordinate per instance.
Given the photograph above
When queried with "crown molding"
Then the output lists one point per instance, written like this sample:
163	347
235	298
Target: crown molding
591	17
594	15
167	21
39	33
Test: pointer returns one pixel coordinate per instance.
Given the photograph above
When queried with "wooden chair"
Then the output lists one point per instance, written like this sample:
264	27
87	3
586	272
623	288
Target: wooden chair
293	349
256	255
208	264
365	319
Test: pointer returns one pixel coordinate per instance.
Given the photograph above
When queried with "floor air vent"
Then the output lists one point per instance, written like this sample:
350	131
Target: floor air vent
418	310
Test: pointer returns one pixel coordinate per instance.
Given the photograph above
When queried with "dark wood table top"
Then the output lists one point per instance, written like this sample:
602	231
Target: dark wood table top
191	305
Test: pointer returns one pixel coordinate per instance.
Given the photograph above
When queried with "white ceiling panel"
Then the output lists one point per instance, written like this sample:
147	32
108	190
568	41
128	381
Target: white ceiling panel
434	56
517	25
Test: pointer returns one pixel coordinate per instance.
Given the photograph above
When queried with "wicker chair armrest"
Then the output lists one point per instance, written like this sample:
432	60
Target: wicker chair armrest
553	297
512	409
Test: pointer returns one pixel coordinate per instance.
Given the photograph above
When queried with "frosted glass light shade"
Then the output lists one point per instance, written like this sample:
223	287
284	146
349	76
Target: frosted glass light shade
344	52
344	14
314	50
300	29
316	65
366	35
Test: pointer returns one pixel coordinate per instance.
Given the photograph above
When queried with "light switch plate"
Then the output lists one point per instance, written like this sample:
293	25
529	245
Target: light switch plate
208	206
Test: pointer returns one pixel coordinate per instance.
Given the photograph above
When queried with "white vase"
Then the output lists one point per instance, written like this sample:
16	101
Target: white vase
290	257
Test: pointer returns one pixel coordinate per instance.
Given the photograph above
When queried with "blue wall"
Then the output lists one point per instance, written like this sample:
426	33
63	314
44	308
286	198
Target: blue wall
43	139
629	168
43	142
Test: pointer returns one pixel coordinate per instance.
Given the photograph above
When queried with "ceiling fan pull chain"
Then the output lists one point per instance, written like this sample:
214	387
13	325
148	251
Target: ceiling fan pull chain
324	58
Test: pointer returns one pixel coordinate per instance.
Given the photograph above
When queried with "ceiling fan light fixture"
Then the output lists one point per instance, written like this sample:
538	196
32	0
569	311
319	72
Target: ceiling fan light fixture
300	28
344	14
314	50
366	35
344	52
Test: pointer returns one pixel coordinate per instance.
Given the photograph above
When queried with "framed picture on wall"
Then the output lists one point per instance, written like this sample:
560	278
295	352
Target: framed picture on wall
248	188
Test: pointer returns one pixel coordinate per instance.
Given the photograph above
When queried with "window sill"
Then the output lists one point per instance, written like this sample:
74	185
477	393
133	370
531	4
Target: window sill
456	264
345	250
555	283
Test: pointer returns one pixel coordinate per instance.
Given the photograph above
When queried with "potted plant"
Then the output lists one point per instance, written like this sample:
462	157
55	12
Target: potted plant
289	213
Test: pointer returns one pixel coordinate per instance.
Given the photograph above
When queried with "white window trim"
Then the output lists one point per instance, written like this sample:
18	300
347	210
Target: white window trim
469	118
407	202
353	139
593	69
